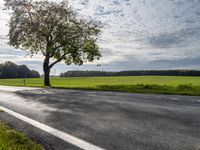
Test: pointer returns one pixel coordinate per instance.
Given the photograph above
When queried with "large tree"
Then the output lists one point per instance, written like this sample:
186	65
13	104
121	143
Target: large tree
54	30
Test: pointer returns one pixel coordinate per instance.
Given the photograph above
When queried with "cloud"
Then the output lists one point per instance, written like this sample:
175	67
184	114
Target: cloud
177	39
140	34
186	62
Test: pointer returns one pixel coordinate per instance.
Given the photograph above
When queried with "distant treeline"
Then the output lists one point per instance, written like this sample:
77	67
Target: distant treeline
131	73
12	70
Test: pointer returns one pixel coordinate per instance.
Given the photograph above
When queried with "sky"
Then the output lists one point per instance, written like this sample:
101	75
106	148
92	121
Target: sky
136	35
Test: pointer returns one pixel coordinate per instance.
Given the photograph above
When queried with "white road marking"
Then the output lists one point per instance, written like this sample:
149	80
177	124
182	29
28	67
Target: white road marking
57	133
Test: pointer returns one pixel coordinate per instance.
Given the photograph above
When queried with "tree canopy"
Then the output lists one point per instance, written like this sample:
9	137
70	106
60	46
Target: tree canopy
78	73
53	29
12	70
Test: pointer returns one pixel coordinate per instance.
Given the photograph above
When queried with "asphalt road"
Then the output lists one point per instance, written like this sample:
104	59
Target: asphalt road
113	120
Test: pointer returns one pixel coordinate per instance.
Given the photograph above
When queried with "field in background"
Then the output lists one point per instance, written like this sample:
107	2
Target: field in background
145	84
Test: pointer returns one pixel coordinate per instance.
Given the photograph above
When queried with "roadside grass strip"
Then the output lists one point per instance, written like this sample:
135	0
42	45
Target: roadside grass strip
11	139
55	132
178	85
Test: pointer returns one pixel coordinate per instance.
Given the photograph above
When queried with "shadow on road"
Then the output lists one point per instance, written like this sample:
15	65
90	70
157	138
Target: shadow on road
120	120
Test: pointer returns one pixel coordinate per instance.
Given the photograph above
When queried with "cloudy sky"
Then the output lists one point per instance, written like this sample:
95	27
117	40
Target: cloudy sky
137	34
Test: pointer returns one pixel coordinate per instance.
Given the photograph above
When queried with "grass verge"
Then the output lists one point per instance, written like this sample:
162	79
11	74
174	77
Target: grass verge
155	89
144	88
11	139
178	85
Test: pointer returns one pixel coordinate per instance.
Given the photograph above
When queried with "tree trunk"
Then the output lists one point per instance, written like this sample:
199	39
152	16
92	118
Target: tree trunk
46	70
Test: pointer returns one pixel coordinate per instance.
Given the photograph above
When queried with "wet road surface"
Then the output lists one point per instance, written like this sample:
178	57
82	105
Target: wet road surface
112	120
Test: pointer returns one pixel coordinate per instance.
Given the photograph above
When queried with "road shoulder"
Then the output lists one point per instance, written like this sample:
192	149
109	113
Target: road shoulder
48	141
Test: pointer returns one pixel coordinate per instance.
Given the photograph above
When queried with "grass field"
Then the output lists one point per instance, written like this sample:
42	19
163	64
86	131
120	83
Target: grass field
144	84
11	139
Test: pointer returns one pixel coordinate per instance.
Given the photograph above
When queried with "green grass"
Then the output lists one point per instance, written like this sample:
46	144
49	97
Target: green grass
142	84
11	139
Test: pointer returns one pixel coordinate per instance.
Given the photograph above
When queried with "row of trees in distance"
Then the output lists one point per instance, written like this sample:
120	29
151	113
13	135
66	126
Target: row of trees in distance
12	70
131	73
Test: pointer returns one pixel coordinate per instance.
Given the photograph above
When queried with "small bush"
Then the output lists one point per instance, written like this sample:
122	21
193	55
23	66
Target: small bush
184	87
153	88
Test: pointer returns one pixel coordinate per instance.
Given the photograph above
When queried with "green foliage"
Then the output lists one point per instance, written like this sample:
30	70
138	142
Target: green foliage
185	87
14	140
53	29
78	73
138	84
12	70
156	89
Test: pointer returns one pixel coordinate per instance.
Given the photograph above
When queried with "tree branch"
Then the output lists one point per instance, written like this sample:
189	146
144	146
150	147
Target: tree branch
28	11
58	60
